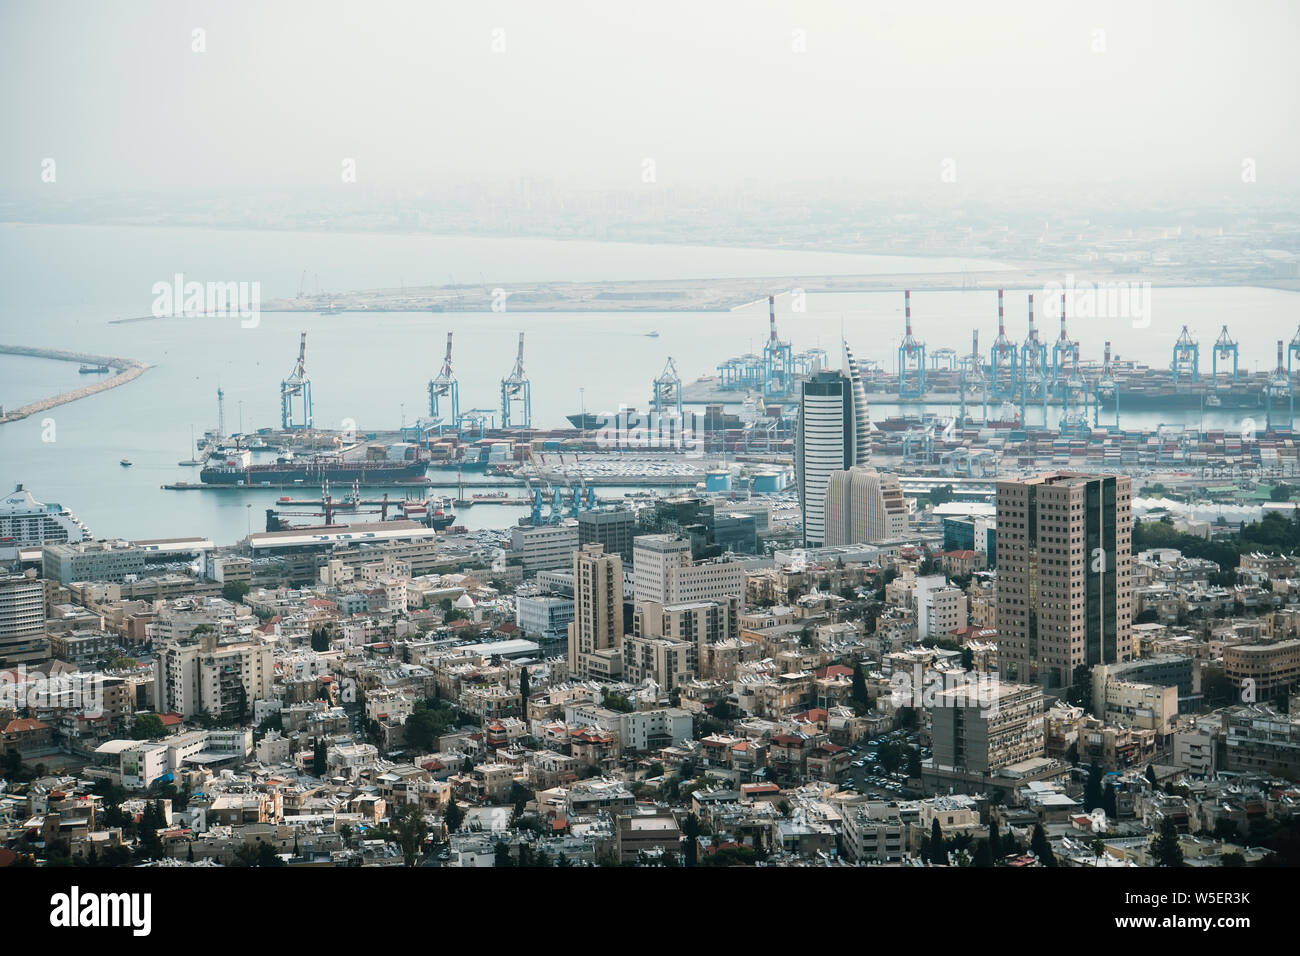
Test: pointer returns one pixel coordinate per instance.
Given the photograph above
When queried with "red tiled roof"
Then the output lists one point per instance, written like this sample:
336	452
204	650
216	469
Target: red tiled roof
835	670
23	725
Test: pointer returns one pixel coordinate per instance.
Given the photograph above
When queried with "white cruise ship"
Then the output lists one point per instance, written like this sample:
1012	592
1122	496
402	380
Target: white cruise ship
27	523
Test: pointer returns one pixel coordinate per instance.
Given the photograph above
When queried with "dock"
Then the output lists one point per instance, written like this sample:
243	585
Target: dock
127	370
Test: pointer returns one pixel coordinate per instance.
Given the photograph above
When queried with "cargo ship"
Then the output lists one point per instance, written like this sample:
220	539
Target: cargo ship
238	470
714	418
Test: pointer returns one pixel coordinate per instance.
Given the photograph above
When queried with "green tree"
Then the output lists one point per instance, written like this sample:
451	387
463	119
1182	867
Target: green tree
1092	789
234	591
913	762
523	683
151	821
860	687
147	727
320	639
1165	848
412	830
1109	801
320	759
502	856
938	853
1041	848
983	855
941	495
266	856
995	840
691	832
453	817
1151	775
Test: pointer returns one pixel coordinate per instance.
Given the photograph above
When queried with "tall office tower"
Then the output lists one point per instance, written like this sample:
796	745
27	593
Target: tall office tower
22	620
1064	578
861	411
833	434
863	506
596	633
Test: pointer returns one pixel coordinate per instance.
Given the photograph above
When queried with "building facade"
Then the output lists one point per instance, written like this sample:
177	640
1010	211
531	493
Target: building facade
832	434
862	506
596	633
1064	595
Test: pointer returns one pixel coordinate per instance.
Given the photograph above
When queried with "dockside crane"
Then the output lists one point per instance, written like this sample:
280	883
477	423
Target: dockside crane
516	392
911	356
1107	389
667	396
777	375
1279	390
295	393
1224	347
972	382
1003	370
1186	363
1065	356
444	386
1033	370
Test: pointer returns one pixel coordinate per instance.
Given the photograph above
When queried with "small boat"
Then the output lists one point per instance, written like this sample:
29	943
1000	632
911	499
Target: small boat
652	335
125	463
92	369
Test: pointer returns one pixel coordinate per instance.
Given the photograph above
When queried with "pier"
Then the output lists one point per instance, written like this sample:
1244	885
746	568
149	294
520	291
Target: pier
127	370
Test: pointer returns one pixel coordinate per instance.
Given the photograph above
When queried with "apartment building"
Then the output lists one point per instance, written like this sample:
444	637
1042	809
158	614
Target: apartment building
1258	739
204	677
940	608
666	661
873	833
596	632
982	728
1064	594
22	620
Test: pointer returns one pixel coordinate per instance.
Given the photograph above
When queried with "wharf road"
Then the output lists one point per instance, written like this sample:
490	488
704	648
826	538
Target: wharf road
127	370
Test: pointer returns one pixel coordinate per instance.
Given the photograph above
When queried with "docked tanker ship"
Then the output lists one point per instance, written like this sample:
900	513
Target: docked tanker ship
237	469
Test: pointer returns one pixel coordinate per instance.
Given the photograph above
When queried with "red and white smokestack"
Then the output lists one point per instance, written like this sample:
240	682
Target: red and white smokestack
975	344
771	317
1064	338
1279	353
1002	326
1031	315
907	309
1107	354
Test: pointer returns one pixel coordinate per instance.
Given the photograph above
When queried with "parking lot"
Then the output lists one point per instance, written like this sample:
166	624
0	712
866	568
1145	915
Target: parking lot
866	774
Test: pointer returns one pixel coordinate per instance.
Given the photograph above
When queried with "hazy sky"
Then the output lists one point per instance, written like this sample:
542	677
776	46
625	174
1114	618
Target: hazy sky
714	91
